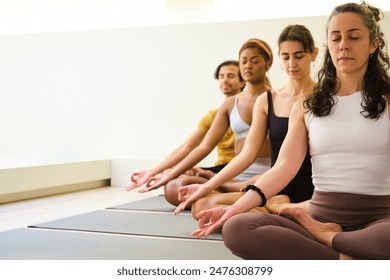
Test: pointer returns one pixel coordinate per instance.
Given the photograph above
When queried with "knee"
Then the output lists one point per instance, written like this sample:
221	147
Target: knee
198	206
233	233
204	203
245	232
378	245
171	191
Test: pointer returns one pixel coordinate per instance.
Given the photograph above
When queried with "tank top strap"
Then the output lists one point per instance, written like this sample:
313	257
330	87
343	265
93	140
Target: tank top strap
270	106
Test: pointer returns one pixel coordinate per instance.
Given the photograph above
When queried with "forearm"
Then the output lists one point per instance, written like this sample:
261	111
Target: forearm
270	183
275	179
189	161
234	186
229	172
247	202
172	159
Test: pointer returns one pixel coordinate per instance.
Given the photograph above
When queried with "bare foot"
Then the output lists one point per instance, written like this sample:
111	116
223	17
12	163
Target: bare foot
278	202
323	232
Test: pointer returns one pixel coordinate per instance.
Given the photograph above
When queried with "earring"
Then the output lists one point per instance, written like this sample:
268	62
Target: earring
313	65
281	67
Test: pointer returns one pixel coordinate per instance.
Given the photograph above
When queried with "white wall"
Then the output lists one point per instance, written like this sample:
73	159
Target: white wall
119	93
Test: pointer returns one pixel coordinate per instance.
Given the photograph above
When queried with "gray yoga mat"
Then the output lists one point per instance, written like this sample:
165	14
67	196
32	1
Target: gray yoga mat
130	222
38	244
157	203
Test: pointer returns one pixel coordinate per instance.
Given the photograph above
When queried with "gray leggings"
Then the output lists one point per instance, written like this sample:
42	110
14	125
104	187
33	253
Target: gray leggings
365	235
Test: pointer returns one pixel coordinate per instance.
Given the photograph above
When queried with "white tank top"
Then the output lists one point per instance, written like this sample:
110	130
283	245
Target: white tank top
239	127
350	153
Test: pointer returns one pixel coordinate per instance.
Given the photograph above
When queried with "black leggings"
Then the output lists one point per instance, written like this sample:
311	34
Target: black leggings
273	237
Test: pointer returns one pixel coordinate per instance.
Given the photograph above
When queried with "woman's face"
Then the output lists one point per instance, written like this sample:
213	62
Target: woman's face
252	65
349	43
295	61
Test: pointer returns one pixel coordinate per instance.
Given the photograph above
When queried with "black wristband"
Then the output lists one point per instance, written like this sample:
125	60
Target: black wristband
258	190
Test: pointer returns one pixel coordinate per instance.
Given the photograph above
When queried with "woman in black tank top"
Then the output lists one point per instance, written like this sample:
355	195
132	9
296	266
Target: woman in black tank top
301	187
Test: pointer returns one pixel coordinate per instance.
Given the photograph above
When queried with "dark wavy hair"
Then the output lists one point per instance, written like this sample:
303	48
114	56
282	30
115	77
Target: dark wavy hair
376	81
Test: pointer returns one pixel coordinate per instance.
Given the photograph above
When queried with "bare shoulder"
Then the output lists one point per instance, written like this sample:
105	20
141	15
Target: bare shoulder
228	104
262	100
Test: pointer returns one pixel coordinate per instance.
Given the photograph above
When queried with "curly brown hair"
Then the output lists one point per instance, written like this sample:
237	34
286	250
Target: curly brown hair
376	81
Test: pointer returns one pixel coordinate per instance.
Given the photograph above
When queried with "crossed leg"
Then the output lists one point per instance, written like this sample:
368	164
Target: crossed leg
323	232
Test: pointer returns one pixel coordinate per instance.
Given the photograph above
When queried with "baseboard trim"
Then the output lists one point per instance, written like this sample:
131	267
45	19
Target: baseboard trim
38	181
43	192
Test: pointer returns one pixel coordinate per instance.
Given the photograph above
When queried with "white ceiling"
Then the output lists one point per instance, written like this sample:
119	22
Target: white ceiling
36	16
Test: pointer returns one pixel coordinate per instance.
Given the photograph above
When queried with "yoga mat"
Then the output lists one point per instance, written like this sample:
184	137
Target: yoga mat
157	203
129	222
38	244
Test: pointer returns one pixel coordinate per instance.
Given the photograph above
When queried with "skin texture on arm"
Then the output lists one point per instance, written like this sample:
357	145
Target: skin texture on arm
253	143
233	186
271	182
